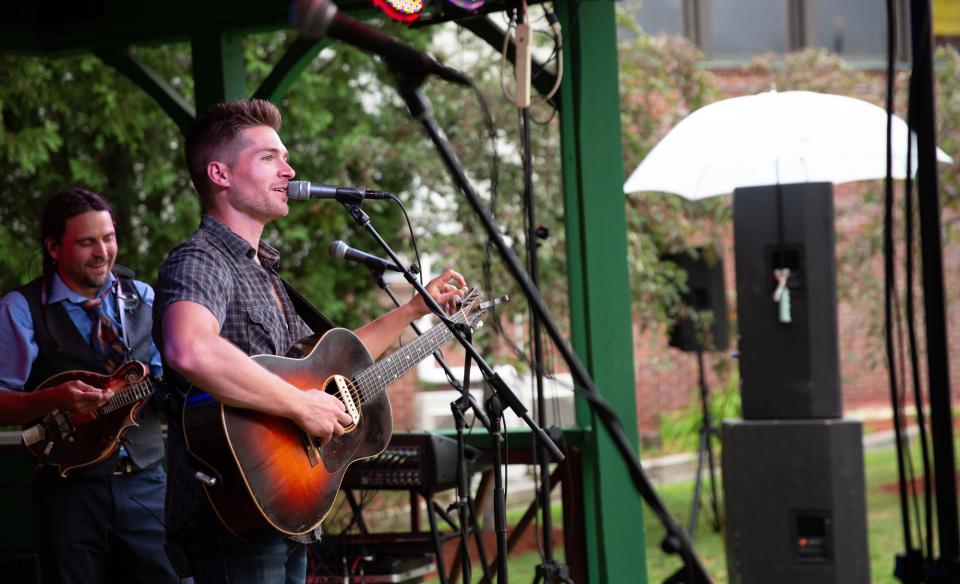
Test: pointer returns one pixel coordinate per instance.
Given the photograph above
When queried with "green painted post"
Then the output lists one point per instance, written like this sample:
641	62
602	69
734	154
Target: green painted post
600	300
218	72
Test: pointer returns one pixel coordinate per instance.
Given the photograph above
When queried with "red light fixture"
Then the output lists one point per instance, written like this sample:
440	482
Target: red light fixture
401	10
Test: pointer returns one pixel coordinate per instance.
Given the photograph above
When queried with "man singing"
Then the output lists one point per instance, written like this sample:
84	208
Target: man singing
218	302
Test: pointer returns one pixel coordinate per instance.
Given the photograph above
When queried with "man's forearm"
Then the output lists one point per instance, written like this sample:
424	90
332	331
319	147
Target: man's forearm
17	407
233	378
381	333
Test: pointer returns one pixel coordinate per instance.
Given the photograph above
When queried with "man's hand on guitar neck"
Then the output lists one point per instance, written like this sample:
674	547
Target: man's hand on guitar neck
381	333
446	294
76	396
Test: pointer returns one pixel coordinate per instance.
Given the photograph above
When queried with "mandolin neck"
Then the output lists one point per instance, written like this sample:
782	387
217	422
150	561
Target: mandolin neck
130	393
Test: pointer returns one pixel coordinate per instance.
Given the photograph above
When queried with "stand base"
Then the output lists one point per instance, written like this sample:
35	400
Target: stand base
552	572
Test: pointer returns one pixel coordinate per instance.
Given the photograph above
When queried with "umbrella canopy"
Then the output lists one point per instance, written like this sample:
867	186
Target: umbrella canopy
773	138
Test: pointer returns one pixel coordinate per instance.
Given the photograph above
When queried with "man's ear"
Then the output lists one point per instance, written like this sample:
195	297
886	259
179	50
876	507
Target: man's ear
219	174
51	245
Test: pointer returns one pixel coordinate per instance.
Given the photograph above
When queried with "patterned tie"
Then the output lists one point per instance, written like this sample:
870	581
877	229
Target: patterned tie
105	339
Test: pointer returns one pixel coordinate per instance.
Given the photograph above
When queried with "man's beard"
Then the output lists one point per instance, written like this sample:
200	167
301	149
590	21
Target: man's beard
97	281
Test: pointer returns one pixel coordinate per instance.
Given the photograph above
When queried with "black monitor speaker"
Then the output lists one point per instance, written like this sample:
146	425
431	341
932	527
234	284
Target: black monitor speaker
705	292
789	359
795	502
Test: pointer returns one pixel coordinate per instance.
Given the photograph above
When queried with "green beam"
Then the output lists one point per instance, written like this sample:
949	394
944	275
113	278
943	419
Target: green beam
600	299
297	57
218	72
147	79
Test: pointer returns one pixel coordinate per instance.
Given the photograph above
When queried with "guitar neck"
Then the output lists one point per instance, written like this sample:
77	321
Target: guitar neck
375	379
127	395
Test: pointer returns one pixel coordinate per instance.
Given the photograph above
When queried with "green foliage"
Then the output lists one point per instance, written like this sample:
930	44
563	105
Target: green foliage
661	83
679	429
75	121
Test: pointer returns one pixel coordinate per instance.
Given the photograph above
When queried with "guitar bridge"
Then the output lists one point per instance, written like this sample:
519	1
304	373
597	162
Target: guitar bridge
347	393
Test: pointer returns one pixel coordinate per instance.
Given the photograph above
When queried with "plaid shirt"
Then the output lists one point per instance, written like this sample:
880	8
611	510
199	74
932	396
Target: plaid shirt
216	269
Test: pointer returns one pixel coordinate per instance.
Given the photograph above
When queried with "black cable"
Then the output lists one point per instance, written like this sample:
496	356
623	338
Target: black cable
923	120
909	245
486	267
413	237
888	264
911	477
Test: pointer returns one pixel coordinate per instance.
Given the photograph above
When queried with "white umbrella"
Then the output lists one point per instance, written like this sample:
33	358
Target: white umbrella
773	138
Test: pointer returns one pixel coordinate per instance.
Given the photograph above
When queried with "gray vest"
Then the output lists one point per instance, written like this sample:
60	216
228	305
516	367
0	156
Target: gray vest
62	348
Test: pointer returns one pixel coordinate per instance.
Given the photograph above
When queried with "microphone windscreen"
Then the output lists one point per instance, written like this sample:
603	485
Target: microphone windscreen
299	190
338	249
312	17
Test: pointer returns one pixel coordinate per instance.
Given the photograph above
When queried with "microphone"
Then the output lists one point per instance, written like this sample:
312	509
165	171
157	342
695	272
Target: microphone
341	251
320	18
302	190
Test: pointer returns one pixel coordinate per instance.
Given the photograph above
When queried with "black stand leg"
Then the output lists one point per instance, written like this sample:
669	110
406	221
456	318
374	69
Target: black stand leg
704	454
437	543
464	504
495	411
466	513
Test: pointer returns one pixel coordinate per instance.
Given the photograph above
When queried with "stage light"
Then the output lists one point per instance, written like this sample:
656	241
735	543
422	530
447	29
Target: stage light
468	4
401	10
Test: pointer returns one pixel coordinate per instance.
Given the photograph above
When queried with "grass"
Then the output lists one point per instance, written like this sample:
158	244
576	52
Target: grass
883	521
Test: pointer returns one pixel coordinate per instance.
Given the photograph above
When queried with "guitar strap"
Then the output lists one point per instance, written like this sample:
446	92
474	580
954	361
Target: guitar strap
127	299
307	311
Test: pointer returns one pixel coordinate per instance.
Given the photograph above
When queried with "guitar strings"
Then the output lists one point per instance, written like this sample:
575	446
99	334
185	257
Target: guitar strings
396	371
131	393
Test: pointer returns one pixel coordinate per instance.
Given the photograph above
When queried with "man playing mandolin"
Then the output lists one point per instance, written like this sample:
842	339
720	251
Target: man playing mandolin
96	506
219	302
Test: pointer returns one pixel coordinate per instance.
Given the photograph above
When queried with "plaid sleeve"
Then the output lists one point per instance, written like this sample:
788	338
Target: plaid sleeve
194	274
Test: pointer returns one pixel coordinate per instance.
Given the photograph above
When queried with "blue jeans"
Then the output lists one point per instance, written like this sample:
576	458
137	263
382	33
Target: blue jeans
216	556
101	528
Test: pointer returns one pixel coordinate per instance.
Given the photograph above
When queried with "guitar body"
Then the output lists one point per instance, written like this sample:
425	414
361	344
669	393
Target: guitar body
67	440
267	480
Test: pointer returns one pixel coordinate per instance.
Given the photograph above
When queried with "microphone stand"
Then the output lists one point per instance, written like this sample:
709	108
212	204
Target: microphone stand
693	572
466	511
549	571
506	396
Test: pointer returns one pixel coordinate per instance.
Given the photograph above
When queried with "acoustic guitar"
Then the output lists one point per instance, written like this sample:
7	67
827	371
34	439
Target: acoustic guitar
263	474
69	440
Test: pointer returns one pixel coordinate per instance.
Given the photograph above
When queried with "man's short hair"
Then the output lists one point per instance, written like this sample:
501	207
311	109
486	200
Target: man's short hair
62	206
214	136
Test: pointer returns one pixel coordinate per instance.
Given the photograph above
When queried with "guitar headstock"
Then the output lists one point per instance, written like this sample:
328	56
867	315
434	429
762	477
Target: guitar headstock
473	306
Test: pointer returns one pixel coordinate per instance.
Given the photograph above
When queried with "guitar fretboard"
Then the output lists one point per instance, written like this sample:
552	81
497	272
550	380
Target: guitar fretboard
374	380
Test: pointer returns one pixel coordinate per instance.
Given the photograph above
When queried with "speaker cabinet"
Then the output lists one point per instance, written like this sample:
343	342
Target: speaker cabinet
795	502
705	291
788	370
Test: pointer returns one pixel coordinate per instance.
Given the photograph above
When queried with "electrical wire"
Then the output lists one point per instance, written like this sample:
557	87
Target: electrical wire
413	237
556	54
914	356
890	288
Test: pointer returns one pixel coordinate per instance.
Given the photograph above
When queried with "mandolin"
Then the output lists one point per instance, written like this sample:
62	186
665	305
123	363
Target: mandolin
69	440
